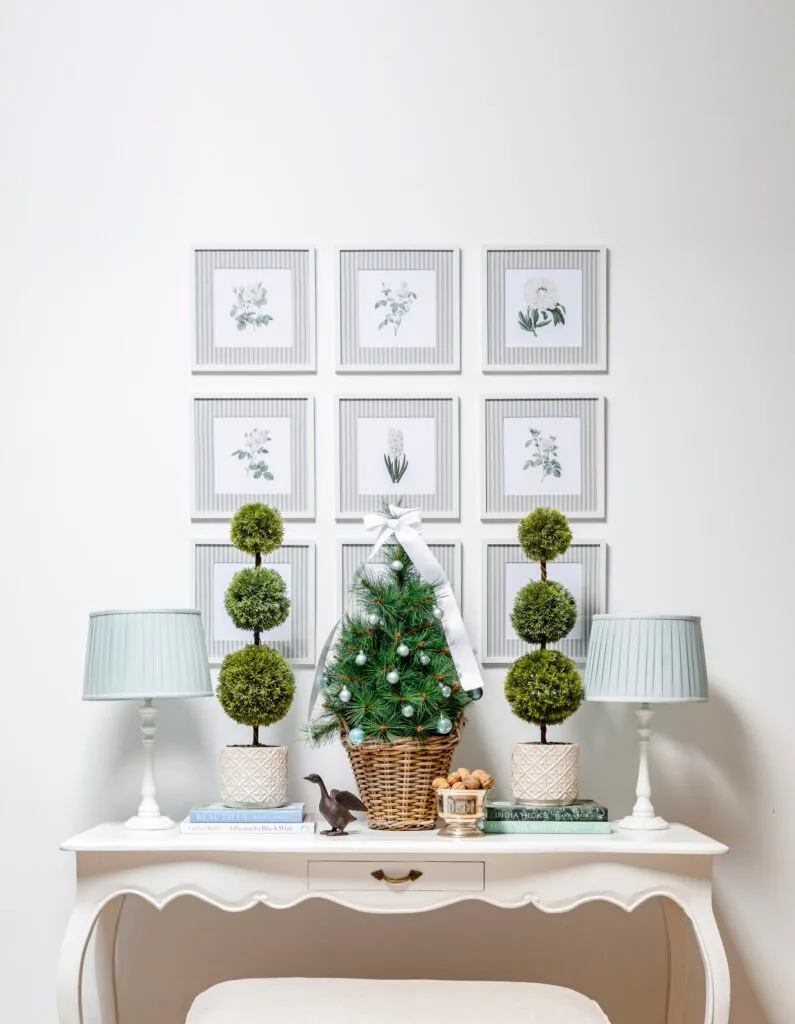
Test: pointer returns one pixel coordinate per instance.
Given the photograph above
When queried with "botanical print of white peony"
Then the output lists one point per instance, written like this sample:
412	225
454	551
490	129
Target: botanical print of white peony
252	450
246	311
543	306
395	459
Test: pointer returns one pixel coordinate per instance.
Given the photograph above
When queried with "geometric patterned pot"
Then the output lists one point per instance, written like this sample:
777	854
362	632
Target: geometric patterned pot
545	774
254	776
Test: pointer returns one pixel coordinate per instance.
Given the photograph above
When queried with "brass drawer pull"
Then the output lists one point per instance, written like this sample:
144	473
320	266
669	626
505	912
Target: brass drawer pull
382	876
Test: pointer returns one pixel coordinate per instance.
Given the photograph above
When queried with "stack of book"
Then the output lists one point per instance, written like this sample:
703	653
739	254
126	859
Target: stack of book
216	819
583	816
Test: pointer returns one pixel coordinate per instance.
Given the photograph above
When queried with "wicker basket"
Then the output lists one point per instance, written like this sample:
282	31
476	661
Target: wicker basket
395	779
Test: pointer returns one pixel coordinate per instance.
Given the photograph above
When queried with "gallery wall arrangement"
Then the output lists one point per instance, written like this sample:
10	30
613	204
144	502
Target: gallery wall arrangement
397	313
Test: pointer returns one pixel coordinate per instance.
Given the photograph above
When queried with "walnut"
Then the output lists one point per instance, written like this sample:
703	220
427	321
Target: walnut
459	785
472	782
440	783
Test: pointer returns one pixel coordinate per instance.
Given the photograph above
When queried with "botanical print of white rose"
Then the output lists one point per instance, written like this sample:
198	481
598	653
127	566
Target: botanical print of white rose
248	306
252	307
543	454
252	451
396	309
543	308
395	305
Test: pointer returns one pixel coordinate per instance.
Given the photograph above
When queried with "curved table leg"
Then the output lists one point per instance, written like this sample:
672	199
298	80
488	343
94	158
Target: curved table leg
676	928
716	965
86	920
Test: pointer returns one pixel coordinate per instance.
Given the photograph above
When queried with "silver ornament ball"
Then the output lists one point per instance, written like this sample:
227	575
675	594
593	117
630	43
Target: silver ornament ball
403	650
356	736
407	711
396	566
444	725
446	691
392	677
361	658
345	695
424	659
436	611
373	619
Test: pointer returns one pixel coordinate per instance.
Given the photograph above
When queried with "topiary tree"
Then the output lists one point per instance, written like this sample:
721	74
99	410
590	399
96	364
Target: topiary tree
256	685
544	687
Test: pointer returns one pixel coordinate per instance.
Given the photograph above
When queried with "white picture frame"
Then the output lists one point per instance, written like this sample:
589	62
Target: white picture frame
418	329
573	281
506	568
273	291
353	553
563	468
215	561
224	425
419	434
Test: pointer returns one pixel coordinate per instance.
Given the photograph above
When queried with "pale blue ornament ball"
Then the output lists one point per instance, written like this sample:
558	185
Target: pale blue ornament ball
396	565
356	736
373	619
424	659
392	677
345	695
361	658
446	691
436	611
444	725
407	711
403	650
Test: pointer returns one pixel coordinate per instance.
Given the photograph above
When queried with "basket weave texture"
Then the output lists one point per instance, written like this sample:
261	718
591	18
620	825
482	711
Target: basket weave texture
394	780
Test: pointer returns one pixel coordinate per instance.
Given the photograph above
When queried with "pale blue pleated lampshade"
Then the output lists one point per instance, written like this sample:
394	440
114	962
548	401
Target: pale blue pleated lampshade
646	659
137	655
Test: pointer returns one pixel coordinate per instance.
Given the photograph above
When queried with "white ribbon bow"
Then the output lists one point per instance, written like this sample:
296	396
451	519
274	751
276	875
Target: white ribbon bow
404	525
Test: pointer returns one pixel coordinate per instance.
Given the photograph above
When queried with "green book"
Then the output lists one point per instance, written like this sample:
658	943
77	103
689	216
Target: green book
580	810
590	828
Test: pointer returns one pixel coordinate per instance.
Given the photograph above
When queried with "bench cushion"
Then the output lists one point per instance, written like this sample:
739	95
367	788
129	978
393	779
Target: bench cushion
268	1000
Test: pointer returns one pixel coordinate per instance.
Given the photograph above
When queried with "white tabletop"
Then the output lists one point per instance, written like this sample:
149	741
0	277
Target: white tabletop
113	837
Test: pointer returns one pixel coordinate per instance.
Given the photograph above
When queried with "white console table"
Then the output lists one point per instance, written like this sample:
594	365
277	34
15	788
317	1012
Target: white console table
389	873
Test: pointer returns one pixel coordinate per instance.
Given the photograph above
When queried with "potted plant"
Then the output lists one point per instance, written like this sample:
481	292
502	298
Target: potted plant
390	692
255	684
544	687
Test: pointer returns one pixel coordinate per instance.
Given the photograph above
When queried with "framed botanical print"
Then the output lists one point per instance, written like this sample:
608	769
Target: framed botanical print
400	450
254	310
398	310
216	562
543	451
354	553
582	570
253	449
546	309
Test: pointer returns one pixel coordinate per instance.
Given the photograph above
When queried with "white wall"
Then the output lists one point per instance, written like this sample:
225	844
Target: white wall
663	131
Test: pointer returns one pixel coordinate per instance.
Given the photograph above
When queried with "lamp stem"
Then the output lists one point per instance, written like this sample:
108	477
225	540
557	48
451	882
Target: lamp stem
148	816
643	817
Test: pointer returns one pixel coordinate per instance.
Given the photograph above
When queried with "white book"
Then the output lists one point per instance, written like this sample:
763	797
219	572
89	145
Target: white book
228	828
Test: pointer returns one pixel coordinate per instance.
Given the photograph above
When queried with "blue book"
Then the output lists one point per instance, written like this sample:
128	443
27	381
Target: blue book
218	813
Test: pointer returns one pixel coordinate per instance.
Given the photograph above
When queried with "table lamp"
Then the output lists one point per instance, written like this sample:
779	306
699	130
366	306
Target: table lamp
647	659
142	656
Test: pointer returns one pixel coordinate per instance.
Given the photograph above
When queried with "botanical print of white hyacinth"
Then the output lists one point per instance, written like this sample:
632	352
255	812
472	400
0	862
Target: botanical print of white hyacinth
246	311
543	306
252	450
544	454
395	459
396	305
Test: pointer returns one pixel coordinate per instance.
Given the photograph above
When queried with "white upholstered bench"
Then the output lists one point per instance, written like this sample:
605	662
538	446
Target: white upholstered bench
306	1000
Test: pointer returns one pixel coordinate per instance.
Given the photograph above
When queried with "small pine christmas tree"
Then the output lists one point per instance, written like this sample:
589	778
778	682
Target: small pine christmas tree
256	684
390	675
544	687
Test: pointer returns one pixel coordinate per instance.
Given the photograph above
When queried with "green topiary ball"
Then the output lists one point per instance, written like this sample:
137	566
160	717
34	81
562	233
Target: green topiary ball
255	686
257	527
256	599
543	612
544	534
543	687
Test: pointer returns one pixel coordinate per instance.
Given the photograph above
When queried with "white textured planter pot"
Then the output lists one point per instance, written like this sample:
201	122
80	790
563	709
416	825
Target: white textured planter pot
254	776
545	774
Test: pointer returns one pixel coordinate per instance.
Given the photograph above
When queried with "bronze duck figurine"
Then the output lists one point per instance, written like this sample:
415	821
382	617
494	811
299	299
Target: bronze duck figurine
336	807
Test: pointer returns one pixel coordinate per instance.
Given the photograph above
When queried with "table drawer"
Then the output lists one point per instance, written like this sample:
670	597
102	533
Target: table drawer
379	875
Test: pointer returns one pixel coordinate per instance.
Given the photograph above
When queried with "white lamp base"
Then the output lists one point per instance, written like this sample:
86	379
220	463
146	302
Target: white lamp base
149	824
643	818
148	818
